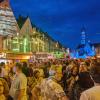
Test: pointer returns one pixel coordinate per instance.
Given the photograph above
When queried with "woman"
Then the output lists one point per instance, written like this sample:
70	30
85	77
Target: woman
72	81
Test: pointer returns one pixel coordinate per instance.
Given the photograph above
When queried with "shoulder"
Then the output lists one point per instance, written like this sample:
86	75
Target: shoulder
87	93
55	86
22	77
94	88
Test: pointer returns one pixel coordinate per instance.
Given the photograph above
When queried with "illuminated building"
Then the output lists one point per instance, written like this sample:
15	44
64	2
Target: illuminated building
97	49
33	39
22	36
8	25
85	49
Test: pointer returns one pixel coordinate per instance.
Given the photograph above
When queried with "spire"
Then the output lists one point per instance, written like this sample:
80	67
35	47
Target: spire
83	35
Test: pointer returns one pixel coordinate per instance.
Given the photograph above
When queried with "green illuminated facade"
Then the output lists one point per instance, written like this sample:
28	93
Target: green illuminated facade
21	35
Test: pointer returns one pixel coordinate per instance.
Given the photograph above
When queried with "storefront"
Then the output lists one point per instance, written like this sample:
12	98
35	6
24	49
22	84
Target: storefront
6	57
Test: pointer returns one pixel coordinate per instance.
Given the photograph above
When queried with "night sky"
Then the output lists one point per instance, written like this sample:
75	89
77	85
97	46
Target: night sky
63	19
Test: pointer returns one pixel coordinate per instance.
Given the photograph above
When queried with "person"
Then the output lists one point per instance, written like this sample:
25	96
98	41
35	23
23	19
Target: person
49	89
94	92
34	81
6	87
2	96
71	82
46	68
25	69
84	82
19	85
4	71
83	67
30	70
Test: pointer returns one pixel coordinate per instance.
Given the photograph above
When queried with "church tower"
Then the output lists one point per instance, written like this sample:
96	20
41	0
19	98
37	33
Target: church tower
83	36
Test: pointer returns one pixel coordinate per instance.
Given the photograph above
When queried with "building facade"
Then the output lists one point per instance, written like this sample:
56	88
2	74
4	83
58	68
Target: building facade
21	36
97	49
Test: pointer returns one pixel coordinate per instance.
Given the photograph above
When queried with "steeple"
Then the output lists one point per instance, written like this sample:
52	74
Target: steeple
83	35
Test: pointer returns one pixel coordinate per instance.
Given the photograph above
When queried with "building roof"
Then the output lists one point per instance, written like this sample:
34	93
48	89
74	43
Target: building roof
1	1
83	45
21	20
80	46
4	3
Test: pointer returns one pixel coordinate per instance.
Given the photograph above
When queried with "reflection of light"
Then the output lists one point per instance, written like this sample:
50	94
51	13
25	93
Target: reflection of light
98	56
33	31
21	43
16	49
26	57
17	34
36	42
15	41
25	41
50	57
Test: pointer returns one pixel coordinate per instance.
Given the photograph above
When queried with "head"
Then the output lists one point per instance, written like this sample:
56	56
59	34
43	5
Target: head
85	80
2	64
24	64
52	70
1	87
74	70
58	76
36	74
83	67
95	73
18	67
30	65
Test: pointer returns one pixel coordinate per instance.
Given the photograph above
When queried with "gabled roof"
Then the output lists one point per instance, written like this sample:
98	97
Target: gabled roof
4	3
27	27
21	20
24	21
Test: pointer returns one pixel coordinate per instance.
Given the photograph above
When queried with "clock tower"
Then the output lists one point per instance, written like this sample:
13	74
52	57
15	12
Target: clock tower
83	36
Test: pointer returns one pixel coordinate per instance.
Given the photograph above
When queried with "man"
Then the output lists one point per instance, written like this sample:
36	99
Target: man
94	92
19	85
83	67
49	89
4	71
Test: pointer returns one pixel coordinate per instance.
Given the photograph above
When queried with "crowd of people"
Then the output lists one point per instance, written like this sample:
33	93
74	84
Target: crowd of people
59	79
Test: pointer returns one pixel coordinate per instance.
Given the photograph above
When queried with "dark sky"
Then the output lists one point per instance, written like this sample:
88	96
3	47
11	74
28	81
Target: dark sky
63	19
